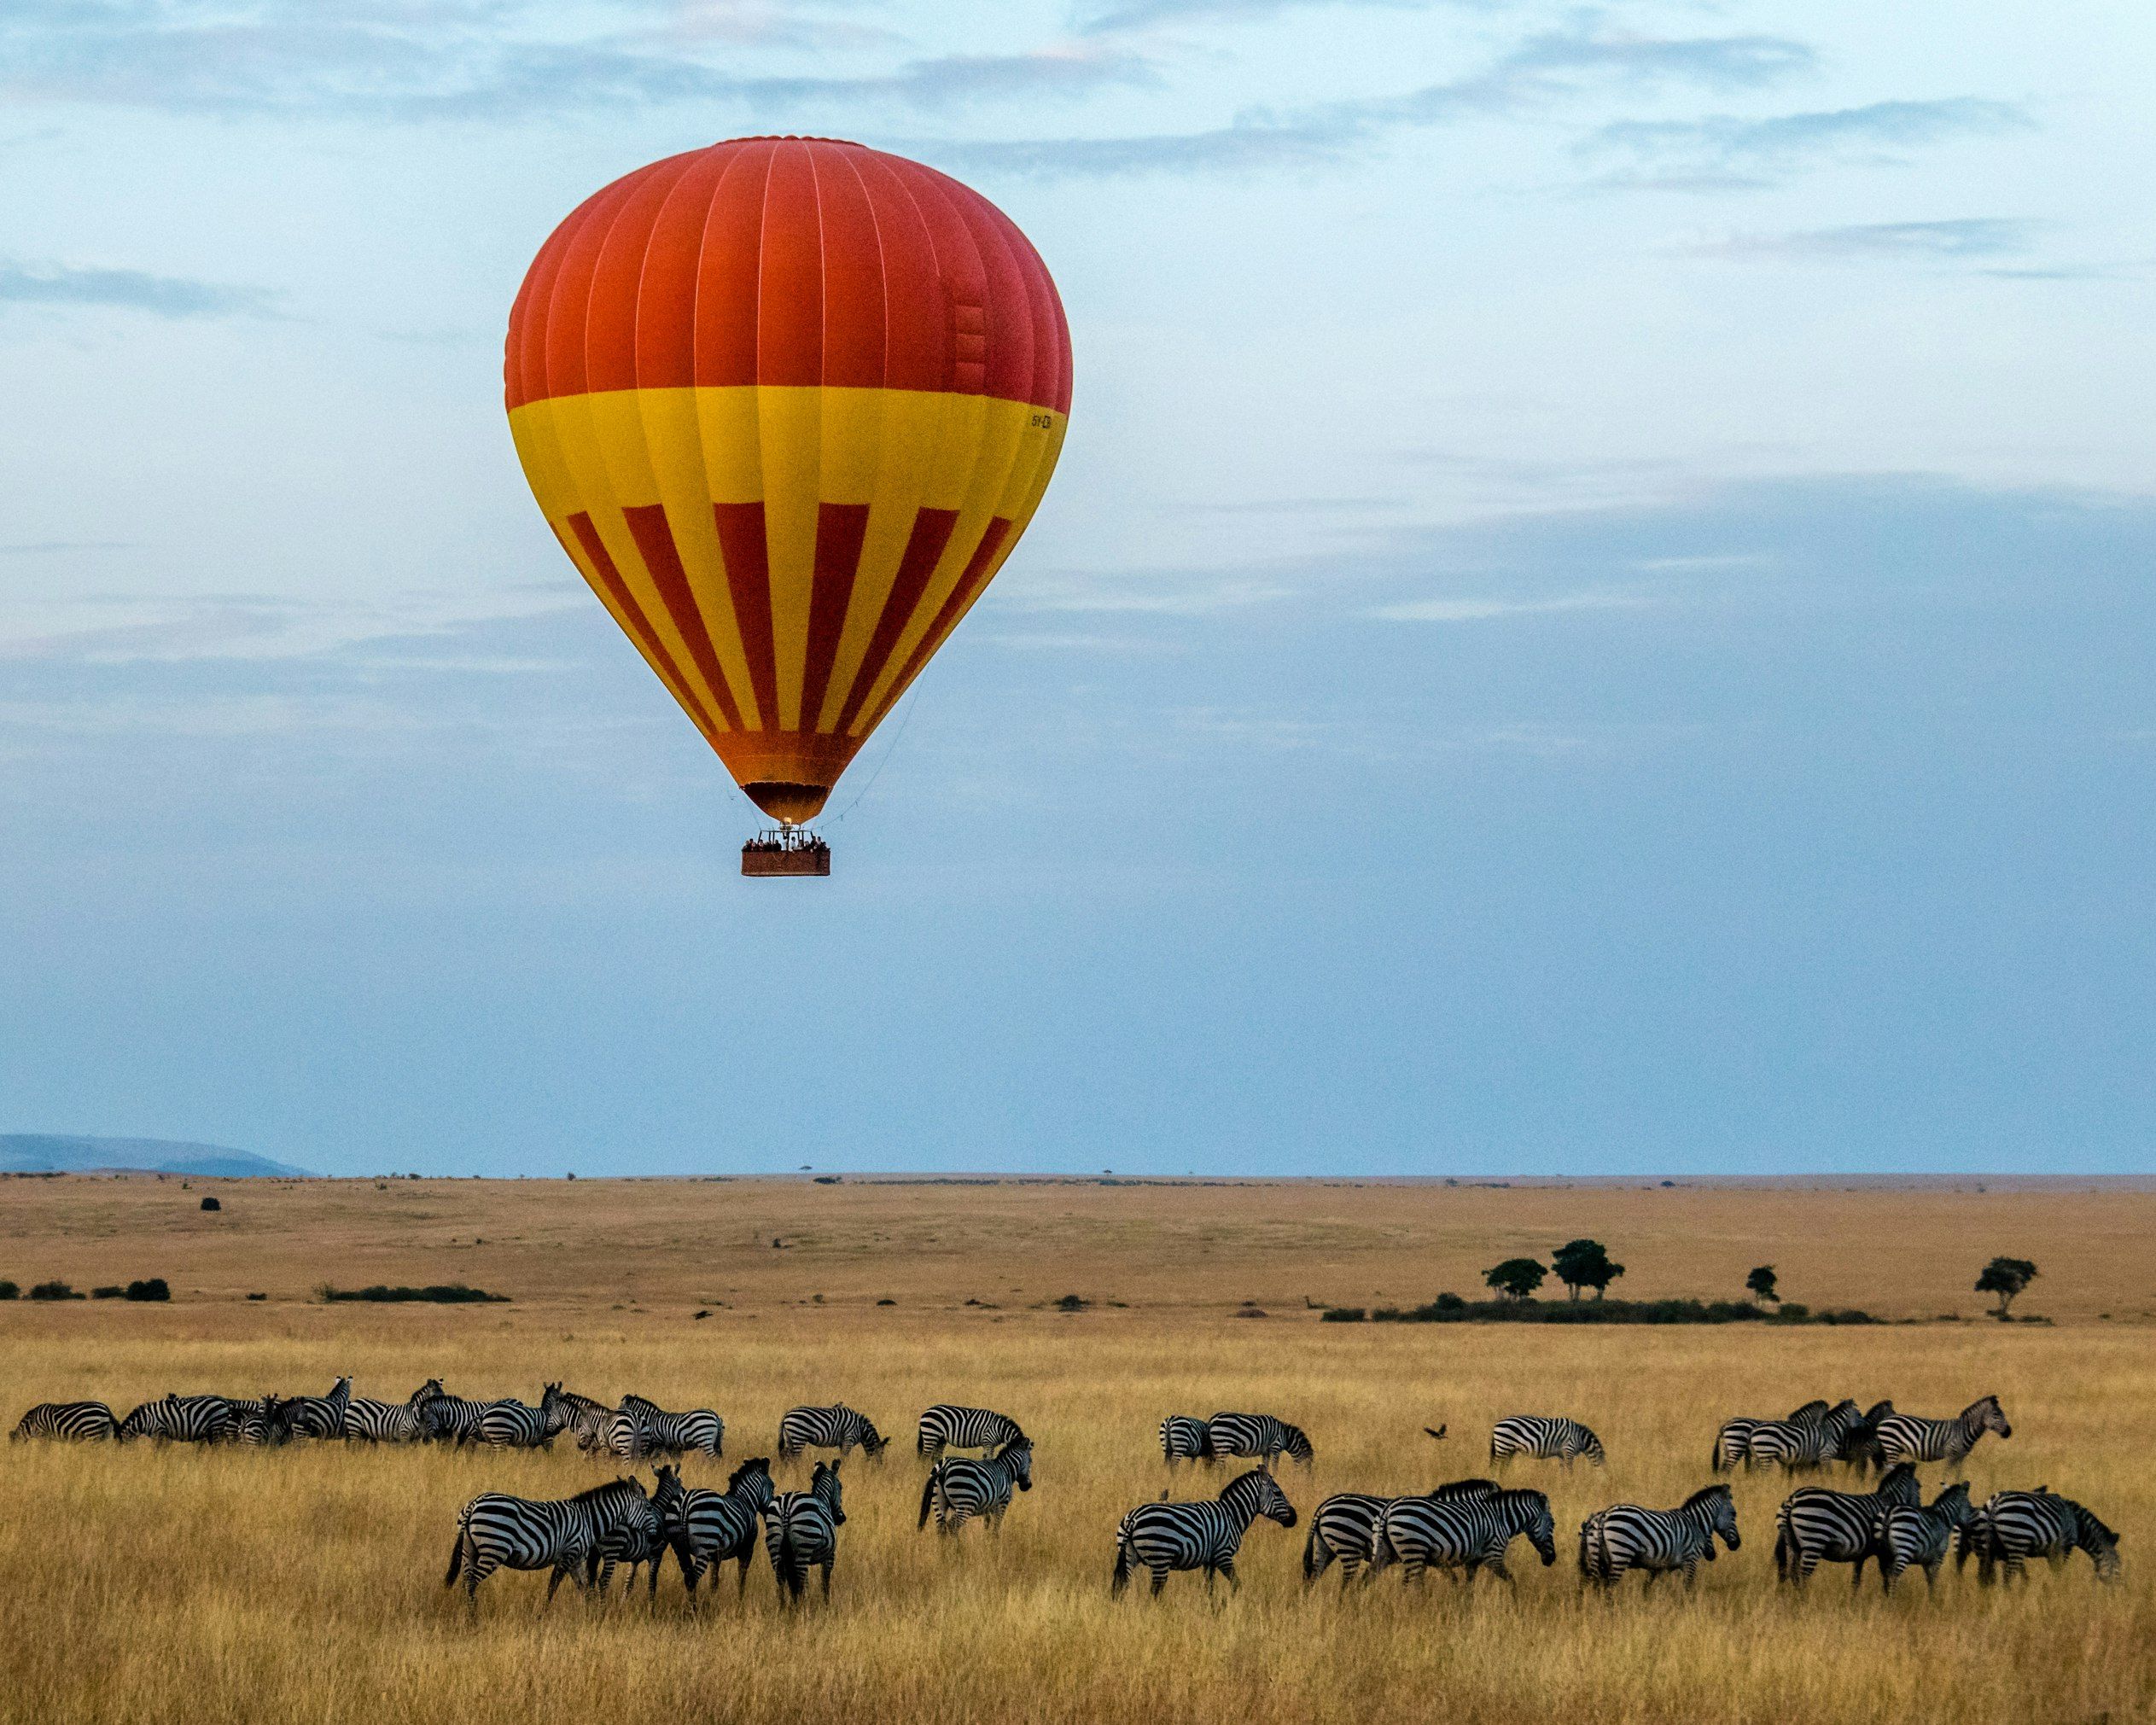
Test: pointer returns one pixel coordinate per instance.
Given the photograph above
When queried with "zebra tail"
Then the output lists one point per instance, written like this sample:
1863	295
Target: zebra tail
456	1551
1714	1461
1381	1549
928	1497
1310	1553
1123	1562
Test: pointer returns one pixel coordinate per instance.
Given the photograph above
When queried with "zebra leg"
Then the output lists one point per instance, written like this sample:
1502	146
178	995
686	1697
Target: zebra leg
1807	1561
1857	1572
476	1572
1227	1567
1411	1571
826	1567
1160	1579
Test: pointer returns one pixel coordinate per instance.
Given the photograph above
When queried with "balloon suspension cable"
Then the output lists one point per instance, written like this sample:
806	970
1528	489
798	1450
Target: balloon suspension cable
913	700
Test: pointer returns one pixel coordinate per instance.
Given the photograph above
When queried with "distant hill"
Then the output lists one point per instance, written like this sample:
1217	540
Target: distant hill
31	1152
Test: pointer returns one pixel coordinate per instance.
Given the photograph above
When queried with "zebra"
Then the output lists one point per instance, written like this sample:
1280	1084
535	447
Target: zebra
696	1431
509	1424
74	1422
496	1530
319	1416
1343	1528
801	1531
1259	1437
959	1488
1466	1525
1625	1536
582	1417
1185	1437
636	1536
1205	1534
1906	1534
946	1427
179	1420
1733	1443
1815	1525
836	1427
709	1528
263	1420
1546	1436
454	1417
2014	1526
1909	1438
1860	1445
389	1422
1802	1444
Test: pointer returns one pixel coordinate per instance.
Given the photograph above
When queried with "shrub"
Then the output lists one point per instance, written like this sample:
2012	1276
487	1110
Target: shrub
154	1289
54	1290
114	1293
1341	1314
8	1290
438	1294
1516	1277
211	1204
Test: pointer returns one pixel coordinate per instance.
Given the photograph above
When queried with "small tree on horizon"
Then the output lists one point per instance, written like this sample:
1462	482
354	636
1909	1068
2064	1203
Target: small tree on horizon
1585	1264
1760	1285
2005	1277
1516	1278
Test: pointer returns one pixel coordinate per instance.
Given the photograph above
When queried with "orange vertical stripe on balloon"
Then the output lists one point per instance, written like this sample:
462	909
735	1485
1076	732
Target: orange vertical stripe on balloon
740	542
839	530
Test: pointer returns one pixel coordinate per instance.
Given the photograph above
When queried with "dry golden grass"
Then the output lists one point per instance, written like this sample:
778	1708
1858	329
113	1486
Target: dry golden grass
146	1585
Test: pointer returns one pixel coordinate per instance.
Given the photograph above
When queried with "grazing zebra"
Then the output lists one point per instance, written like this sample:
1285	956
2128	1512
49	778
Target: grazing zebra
1625	1536
709	1528
495	1531
1259	1437
801	1531
946	1427
74	1422
959	1488
1905	1533
389	1422
582	1417
1909	1438
1202	1535
454	1417
1342	1528
2014	1526
696	1431
1546	1436
1183	1438
836	1427
179	1420
1465	1526
1815	1525
636	1536
1802	1442
1733	1443
319	1416
1860	1443
509	1424
263	1420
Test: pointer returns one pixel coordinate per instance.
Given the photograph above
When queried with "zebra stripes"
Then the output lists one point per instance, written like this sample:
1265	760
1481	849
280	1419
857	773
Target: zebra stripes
1910	1437
179	1420
509	1424
1626	1536
2014	1526
1206	1534
836	1427
1804	1440
1467	1525
651	1430
370	1421
1905	1535
1259	1437
319	1416
263	1420
1815	1525
496	1530
1860	1443
1548	1437
70	1422
947	1427
455	1418
959	1488
801	1531
1344	1529
1733	1443
709	1528
1183	1438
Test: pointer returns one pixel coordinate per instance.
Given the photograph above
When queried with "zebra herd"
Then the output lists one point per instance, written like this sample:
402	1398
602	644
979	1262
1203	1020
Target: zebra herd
1464	1526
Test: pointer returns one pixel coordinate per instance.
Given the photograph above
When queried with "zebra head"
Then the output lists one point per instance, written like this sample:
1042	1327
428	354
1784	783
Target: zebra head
1990	1416
1952	1504
873	1443
554	1410
1584	1443
1840	1420
1527	1511
1898	1485
136	1424
824	1485
752	1480
2099	1542
667	1497
425	1393
1715	1507
1018	1456
1298	1450
1258	1493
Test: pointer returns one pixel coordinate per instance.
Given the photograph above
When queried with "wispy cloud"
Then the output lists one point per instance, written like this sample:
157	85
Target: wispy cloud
1724	151
133	290
1138	15
1477	610
1962	237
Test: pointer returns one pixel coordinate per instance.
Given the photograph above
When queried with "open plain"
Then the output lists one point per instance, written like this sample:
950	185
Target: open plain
148	1584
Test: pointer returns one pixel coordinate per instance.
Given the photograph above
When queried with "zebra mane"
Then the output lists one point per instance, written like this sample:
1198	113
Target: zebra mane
1706	1494
760	1464
1810	1410
612	1488
1878	1411
2087	1525
1464	1488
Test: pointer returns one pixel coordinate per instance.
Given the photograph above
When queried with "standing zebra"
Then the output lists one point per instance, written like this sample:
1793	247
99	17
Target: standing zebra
263	1420
1860	1443
74	1422
709	1528
454	1417
179	1420
582	1417
696	1431
1259	1437
1547	1436
1625	1536
959	1488
1802	1442
801	1531
370	1421
636	1536
946	1427
1183	1438
2014	1526
1905	1533
836	1427
1205	1534
1733	1443
1345	1530
1467	1526
509	1424
1815	1525
495	1531
1909	1438
319	1416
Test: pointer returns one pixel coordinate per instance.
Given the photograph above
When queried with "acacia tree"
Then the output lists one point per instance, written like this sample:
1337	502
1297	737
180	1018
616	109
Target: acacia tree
1585	1264
2005	1277
1760	1285
1516	1278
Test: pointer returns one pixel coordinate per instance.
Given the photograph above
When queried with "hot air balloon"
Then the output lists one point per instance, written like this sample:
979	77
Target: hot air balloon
788	403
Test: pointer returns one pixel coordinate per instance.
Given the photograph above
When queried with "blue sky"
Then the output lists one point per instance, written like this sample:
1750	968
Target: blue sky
1595	616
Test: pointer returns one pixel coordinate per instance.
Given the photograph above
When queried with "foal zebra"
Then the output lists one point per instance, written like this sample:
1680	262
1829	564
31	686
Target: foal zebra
1906	1534
495	1531
1804	1440
509	1424
1183	1438
946	1427
709	1528
1546	1436
1345	1530
263	1420
319	1416
801	1531
389	1422
1815	1525
179	1420
1258	1435
1625	1536
836	1427
1466	1525
2014	1526
1206	1534
74	1422
959	1488
694	1431
1909	1438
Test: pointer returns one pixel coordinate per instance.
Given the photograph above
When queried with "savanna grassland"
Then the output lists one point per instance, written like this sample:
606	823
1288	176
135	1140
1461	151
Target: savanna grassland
306	1584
